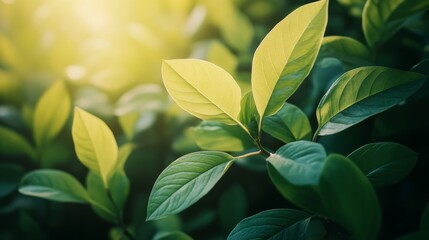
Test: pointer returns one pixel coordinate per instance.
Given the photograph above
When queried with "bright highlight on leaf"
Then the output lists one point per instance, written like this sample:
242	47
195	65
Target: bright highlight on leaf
362	93
53	185
51	113
286	55
95	144
185	181
202	89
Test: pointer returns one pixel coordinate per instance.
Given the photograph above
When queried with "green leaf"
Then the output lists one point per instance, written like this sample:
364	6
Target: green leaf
142	98
174	235
305	197
51	113
275	224
10	175
249	114
355	7
288	124
221	137
11	143
94	143
203	89
100	201
349	51
349	198
53	185
232	207
384	163
383	18
185	181
362	93
286	55
300	162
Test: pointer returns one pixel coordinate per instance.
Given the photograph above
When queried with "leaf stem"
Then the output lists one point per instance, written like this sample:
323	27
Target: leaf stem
121	223
249	154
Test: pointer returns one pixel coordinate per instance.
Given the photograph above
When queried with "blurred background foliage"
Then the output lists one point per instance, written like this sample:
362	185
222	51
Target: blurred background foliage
109	53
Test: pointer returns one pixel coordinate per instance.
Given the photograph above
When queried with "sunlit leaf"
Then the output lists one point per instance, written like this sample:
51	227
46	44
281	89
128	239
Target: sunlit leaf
249	114
11	143
52	112
142	98
53	185
216	52
202	89
275	224
349	51
384	163
286	55
185	181
221	137
288	124
361	93
299	162
95	144
383	18
349	198
10	175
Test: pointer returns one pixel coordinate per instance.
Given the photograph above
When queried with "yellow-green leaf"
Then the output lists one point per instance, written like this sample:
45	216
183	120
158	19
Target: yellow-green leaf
11	143
286	55
202	89
94	143
52	112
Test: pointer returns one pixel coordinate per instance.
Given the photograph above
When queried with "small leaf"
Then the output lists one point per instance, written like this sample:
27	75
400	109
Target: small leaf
202	89
174	235
275	224
249	114
384	163
53	185
299	162
361	93
185	181
10	175
383	18
142	98
349	198
221	137
286	55
52	112
288	124
95	144
100	200
11	143
349	51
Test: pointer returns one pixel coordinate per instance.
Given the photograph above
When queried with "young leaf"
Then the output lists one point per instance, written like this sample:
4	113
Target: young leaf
12	143
275	224
288	124
53	185
94	143
361	93
100	200
52	112
384	163
249	114
221	137
185	181
202	89
349	198
286	55
299	162
383	18
349	51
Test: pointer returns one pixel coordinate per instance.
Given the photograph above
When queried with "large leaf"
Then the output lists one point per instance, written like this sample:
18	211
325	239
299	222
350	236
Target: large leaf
221	137
11	143
288	124
384	163
299	162
349	51
202	89
53	185
272	224
52	112
349	198
383	18
185	181
361	93
286	55
94	143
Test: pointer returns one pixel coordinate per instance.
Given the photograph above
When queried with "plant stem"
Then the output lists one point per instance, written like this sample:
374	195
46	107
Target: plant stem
121	223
